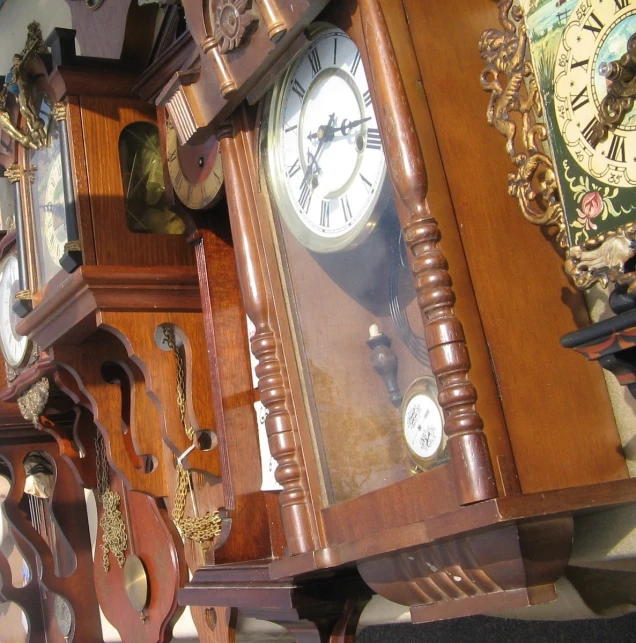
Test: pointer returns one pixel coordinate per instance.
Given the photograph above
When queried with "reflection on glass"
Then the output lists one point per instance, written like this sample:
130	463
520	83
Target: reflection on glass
48	202
346	268
20	573
144	186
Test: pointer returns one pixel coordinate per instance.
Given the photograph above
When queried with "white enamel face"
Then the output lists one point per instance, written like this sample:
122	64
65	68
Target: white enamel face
54	218
327	164
14	346
423	426
596	33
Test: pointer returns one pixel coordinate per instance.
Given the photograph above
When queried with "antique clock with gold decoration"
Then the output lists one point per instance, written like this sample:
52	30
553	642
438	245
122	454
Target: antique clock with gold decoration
91	182
568	69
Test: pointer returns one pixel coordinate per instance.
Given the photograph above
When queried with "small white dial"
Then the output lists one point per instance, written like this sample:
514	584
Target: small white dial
422	422
14	346
326	158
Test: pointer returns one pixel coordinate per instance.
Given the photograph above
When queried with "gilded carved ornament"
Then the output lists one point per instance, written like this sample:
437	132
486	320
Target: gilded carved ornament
510	78
34	401
19	83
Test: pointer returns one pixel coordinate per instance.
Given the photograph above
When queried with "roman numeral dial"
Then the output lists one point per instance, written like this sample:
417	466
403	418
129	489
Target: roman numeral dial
592	32
325	159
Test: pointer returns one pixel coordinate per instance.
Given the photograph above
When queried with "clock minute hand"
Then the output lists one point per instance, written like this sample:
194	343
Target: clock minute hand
347	125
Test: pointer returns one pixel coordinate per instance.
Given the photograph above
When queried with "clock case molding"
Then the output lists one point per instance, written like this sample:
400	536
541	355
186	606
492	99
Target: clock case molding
488	531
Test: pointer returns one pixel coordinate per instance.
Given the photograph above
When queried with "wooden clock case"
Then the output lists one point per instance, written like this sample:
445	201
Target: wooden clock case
99	107
51	535
493	528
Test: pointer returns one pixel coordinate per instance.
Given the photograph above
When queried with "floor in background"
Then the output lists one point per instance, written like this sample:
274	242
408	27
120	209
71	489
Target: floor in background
486	629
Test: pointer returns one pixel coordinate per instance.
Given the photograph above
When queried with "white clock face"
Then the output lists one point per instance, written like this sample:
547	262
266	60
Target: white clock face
596	33
423	426
54	219
14	346
324	146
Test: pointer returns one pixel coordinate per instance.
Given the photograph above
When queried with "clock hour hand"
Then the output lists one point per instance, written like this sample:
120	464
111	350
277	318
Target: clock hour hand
312	159
326	132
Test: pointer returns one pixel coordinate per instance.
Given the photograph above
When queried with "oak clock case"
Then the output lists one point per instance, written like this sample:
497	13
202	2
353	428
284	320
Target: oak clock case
349	290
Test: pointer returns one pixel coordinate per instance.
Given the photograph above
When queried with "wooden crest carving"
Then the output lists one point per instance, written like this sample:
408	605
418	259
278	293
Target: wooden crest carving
232	19
243	47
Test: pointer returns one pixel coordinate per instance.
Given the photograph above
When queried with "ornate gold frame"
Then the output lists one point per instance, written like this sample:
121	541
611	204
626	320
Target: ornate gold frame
510	78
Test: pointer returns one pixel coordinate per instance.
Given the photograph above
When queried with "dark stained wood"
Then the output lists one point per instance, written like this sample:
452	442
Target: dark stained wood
71	313
43	554
181	54
122	30
226	79
474	566
294	499
152	537
326	609
546	394
474	475
231	379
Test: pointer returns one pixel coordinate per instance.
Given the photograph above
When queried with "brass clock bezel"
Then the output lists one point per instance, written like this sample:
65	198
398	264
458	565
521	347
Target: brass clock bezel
423	386
272	138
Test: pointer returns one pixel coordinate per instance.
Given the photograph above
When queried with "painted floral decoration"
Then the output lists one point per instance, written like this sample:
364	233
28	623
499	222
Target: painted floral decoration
594	202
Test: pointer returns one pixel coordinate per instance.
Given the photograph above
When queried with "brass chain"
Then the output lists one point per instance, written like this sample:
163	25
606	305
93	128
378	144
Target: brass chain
200	529
114	537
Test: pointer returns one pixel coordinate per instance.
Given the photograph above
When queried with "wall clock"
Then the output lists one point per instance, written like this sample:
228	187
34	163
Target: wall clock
325	155
98	177
587	182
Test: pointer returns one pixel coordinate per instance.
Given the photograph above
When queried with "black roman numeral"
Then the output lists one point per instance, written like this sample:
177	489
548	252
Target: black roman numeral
314	61
367	183
324	214
373	139
294	169
589	132
335	50
580	99
620	4
367	98
616	150
291	128
594	28
580	63
355	64
298	89
346	208
305	196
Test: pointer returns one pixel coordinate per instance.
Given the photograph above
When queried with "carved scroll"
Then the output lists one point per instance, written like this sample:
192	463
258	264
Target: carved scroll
450	363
